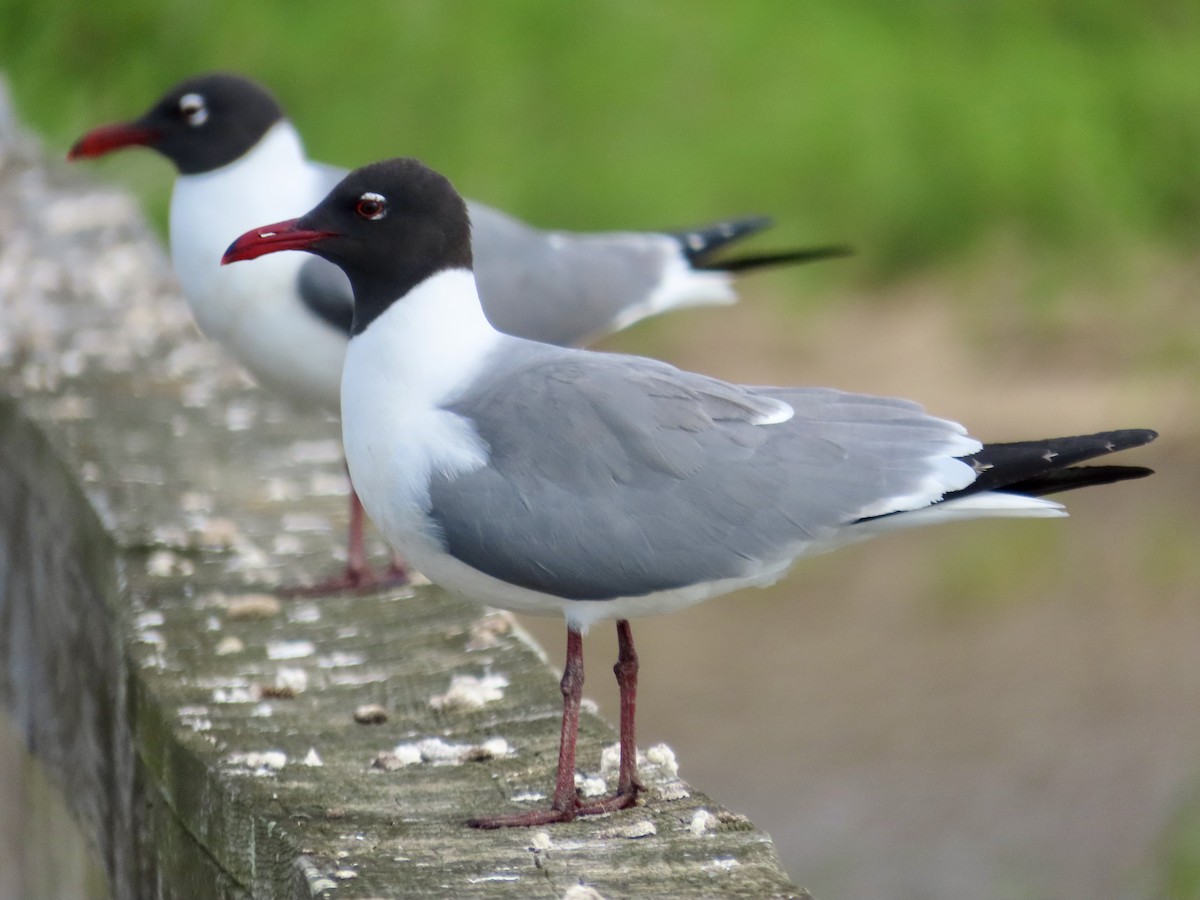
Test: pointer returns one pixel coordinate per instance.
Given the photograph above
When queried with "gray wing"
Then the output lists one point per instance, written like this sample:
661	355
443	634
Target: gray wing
321	286
561	287
615	476
325	290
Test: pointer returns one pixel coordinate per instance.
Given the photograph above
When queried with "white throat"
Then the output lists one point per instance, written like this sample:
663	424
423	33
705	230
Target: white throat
273	180
427	345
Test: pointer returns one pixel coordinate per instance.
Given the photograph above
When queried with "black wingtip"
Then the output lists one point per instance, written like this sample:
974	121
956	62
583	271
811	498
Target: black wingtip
1137	437
1075	477
700	244
1050	466
781	258
1121	439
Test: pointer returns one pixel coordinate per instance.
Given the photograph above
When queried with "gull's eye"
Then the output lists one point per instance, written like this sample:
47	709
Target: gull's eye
193	109
371	206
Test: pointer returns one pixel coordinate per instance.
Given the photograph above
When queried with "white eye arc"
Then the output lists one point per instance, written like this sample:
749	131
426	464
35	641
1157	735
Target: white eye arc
371	206
194	109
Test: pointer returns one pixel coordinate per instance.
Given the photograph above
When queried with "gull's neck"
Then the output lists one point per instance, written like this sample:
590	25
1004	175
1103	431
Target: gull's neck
273	180
430	343
280	145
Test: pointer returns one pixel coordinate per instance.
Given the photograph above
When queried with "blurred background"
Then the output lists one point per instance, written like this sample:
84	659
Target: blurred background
1002	710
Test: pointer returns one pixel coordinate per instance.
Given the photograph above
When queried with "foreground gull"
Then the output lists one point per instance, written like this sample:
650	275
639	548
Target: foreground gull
241	163
599	486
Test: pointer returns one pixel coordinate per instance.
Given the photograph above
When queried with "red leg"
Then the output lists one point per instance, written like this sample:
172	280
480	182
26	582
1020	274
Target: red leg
358	570
397	570
626	670
563	805
358	575
566	806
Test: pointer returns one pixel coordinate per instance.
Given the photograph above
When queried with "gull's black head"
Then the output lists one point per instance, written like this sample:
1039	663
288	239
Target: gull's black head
389	226
200	124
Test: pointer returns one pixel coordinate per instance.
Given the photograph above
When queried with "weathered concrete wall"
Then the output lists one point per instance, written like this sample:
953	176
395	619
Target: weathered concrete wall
63	678
204	732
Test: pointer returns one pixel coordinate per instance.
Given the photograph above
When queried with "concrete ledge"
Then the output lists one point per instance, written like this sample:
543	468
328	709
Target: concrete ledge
204	732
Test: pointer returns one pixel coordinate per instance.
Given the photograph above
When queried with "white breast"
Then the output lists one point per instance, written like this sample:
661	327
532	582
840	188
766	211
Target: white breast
398	373
252	308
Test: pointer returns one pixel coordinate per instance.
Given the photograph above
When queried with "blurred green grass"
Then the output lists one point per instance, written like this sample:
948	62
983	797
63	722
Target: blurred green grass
920	132
1178	871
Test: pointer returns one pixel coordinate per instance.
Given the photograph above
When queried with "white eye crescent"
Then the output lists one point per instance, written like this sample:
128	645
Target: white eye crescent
194	109
371	206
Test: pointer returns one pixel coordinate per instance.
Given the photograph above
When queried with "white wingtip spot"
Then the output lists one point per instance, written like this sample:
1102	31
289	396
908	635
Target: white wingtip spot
782	413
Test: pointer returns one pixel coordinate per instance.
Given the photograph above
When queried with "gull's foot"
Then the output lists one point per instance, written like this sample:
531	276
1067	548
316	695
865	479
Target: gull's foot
620	800
354	580
524	820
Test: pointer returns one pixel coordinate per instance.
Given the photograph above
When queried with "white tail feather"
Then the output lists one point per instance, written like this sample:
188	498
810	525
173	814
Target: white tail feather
984	505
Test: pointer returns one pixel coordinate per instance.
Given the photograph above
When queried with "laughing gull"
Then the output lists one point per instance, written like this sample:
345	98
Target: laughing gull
241	163
599	486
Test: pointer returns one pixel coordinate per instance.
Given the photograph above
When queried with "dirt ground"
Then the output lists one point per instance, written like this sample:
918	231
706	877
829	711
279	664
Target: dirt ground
1003	709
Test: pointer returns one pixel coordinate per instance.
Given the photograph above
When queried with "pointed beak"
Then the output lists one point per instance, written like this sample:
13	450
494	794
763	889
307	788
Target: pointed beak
107	138
271	239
